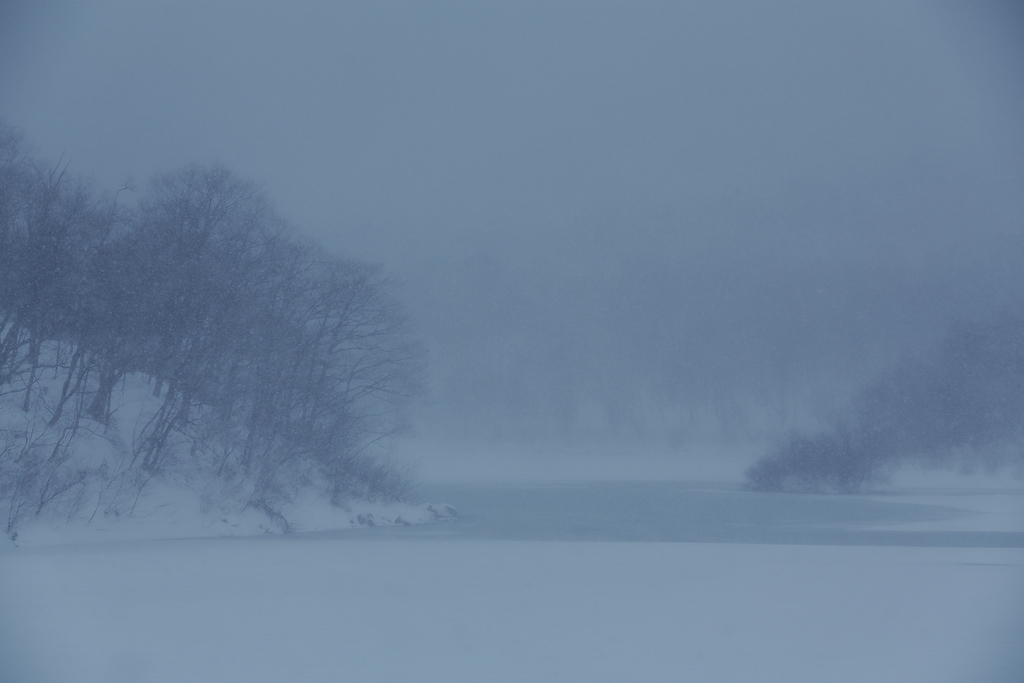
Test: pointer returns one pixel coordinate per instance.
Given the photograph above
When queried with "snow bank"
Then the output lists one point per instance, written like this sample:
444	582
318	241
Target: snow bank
93	489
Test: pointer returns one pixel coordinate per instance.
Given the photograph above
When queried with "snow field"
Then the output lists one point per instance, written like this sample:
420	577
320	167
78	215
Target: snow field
315	609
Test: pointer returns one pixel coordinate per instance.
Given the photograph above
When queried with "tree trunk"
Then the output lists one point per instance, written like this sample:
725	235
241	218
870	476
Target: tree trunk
33	352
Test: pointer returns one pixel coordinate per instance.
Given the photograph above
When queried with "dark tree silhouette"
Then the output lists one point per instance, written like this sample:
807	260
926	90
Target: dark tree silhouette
963	404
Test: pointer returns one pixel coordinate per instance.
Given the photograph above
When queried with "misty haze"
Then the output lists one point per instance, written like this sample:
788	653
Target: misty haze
535	341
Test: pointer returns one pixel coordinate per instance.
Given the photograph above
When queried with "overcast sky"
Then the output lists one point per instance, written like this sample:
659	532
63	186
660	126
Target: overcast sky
596	205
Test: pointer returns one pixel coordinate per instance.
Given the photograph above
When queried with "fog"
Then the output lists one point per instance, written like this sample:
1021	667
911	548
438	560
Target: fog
665	221
639	245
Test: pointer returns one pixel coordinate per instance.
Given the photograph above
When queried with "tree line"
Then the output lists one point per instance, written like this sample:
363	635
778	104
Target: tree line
960	406
270	366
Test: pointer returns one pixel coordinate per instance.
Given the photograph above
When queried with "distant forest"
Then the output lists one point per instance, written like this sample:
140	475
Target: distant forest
188	336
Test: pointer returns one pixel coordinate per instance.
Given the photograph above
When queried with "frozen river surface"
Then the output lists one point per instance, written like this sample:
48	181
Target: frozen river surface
703	512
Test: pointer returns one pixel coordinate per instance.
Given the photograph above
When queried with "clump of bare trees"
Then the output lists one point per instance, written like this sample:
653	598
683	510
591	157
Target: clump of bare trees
190	337
963	406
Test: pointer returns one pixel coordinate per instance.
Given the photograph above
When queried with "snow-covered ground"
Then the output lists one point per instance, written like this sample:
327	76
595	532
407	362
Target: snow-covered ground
305	609
899	585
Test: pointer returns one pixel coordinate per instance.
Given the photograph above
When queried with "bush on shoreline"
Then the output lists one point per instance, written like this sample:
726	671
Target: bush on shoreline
963	406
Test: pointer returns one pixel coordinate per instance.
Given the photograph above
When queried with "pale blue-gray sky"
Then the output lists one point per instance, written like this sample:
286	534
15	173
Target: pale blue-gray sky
596	204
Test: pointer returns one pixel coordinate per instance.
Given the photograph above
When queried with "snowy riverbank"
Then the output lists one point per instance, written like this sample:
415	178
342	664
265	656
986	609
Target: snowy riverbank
168	513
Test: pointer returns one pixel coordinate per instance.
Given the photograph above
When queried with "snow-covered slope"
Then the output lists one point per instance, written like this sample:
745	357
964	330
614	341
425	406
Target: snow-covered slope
68	478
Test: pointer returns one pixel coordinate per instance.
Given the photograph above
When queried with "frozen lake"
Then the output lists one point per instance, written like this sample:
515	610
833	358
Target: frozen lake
598	581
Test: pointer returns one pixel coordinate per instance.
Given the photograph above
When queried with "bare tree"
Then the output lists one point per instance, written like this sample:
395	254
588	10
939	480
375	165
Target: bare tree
273	365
